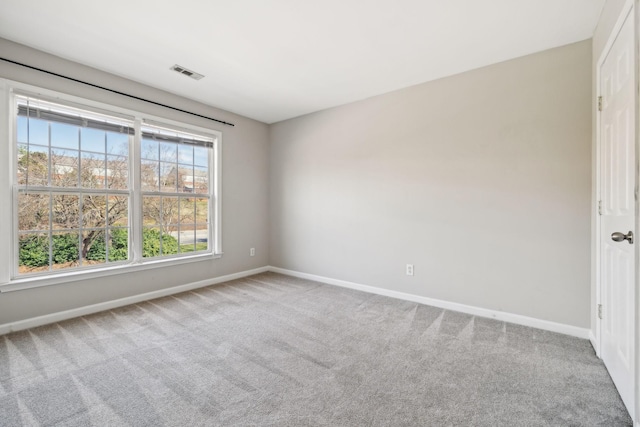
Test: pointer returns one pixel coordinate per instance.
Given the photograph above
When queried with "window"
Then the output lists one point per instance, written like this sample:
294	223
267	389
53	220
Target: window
78	175
175	192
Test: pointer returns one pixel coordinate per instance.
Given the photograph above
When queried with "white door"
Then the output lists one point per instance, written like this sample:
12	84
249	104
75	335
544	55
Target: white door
617	187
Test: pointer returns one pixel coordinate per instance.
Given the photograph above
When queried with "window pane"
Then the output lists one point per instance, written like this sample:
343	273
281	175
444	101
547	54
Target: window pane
33	165
118	244
38	131
151	211
118	143
117	172
202	237
33	252
65	250
64	136
202	226
23	163
33	211
168	177
157	243
92	140
150	149
201	156
169	244
185	179
93	170
168	152
94	211
94	248
185	154
149	173
201	180
64	168
150	242
187	210
187	225
188	239
202	211
65	211
170	210
118	211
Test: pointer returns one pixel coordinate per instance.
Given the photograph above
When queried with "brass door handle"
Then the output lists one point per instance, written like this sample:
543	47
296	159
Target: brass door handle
621	237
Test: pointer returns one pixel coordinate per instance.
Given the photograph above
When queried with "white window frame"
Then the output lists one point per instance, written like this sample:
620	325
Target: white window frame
9	280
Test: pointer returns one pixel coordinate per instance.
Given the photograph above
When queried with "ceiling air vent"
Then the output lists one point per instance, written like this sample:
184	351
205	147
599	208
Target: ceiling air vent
180	69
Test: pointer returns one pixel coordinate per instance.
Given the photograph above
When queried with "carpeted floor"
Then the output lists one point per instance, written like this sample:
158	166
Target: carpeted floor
271	350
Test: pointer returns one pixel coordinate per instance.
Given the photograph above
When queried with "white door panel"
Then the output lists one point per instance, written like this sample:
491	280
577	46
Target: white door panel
617	187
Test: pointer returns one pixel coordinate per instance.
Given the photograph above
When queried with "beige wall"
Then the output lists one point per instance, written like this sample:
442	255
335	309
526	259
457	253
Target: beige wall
481	180
244	188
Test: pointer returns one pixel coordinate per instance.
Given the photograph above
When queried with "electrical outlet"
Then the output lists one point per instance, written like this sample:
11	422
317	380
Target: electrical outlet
409	269
252	252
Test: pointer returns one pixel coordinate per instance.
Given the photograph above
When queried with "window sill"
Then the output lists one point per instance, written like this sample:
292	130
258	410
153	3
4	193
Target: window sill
73	276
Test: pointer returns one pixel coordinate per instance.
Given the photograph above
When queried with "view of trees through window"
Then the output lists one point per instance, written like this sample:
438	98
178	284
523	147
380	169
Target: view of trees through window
74	193
175	188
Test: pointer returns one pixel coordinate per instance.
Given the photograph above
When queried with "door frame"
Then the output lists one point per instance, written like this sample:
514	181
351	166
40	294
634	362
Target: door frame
636	38
630	9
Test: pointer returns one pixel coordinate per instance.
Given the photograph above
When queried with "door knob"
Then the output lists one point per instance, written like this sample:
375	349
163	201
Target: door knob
621	237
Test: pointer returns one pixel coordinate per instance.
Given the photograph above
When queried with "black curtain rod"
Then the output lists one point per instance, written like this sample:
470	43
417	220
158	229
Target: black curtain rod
115	91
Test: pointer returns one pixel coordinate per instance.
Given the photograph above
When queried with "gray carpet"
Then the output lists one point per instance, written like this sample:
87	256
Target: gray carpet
271	350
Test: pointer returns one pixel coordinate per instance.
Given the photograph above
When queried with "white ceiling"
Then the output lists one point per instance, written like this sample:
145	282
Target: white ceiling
276	59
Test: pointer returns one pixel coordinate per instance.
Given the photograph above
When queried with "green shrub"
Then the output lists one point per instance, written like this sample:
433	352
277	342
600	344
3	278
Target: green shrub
118	250
119	245
151	243
97	251
65	248
34	251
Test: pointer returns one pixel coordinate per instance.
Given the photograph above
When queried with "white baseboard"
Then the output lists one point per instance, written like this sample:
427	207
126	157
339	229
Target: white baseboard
108	305
476	311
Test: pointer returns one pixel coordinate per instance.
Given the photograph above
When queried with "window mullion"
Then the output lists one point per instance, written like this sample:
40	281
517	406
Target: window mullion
49	155
107	229
179	201
8	167
50	229
215	190
135	183
80	224
79	159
